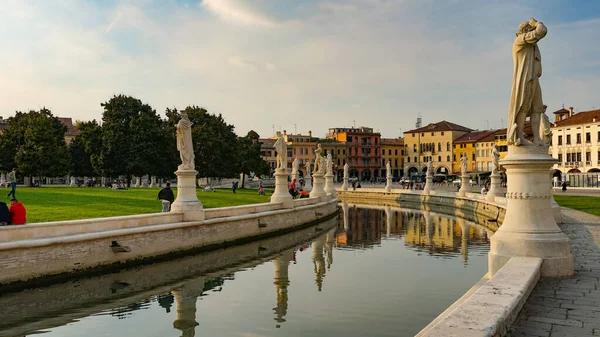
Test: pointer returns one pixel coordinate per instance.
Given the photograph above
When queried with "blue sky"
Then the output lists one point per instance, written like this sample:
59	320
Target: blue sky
268	64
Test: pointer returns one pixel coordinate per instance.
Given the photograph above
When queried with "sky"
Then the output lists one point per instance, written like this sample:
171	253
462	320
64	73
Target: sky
294	65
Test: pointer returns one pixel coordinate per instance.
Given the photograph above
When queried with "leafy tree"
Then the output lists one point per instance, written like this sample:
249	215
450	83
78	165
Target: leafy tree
249	156
34	143
86	150
215	143
131	138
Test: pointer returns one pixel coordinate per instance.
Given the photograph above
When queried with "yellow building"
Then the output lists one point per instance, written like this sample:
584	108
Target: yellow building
392	150
299	146
467	144
431	142
338	155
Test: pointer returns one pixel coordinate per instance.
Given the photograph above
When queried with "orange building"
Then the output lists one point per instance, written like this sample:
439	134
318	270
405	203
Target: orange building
363	150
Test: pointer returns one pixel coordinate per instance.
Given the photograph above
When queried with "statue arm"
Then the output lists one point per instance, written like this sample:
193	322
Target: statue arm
535	35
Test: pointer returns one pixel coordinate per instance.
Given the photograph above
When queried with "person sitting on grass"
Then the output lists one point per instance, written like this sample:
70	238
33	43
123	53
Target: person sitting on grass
167	197
4	214
18	215
303	194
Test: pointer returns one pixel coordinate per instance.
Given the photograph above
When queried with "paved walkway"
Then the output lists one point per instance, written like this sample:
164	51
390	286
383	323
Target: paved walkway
568	307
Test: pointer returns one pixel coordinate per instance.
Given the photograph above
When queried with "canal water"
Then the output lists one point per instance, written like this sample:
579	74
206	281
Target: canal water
382	271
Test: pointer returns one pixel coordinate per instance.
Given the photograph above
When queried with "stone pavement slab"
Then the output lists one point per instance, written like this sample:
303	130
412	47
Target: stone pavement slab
568	307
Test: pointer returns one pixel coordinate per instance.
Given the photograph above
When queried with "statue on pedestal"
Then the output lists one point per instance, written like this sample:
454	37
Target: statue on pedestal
329	165
318	159
463	164
388	169
295	166
430	168
281	147
307	165
526	96
184	142
346	168
495	159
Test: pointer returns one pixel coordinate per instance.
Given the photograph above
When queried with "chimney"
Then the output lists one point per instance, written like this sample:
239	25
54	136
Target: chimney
571	111
310	133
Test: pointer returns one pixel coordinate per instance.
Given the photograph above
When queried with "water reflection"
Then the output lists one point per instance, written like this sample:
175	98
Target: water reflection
177	288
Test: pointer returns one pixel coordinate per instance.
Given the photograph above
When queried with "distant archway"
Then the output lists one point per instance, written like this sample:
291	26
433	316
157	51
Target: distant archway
365	175
574	171
593	170
442	170
412	170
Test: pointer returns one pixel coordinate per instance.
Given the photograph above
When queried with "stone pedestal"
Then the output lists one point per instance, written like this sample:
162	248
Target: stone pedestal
556	212
318	189
345	184
187	200
282	281
329	185
281	193
495	189
529	228
319	261
388	184
464	182
307	183
73	181
136	182
153	181
144	181
428	185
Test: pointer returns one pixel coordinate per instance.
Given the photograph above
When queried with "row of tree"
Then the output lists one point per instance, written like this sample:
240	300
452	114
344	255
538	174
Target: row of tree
132	140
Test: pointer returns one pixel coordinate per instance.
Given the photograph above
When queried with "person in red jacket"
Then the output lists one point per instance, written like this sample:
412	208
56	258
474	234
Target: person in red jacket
18	215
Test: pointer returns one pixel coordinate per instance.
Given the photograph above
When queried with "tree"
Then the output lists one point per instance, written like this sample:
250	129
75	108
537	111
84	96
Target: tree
215	143
86	150
132	135
34	143
249	156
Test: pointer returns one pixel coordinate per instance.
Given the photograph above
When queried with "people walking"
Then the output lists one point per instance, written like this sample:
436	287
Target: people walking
564	185
234	186
167	197
12	178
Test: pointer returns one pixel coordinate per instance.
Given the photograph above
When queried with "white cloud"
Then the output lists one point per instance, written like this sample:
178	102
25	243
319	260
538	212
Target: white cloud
237	12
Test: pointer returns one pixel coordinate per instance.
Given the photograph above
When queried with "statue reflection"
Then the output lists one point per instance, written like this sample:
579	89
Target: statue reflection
464	238
319	261
186	297
329	244
282	282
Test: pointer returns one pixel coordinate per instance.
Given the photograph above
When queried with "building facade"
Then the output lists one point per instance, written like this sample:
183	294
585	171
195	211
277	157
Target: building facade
432	142
469	144
363	151
392	150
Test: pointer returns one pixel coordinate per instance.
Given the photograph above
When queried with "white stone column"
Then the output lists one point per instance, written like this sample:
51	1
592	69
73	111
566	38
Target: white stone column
318	189
556	211
145	180
185	299
388	184
282	281
464	182
428	184
187	200
495	189
103	181
152	181
73	181
281	193
329	185
529	228
319	261
345	184
136	181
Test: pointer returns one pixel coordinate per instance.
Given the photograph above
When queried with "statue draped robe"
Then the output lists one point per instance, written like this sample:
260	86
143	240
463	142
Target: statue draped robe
184	144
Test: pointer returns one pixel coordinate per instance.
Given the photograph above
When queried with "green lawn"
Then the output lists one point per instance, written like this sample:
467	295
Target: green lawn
586	204
70	203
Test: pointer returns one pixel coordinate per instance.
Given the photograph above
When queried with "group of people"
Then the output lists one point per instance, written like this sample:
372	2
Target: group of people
297	192
15	215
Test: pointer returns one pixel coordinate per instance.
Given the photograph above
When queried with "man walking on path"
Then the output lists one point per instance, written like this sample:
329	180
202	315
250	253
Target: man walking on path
12	178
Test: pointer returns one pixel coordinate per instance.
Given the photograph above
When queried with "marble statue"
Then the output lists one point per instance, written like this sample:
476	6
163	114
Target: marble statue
318	158
295	166
329	165
495	159
184	142
307	168
388	169
346	168
463	164
281	147
526	95
430	168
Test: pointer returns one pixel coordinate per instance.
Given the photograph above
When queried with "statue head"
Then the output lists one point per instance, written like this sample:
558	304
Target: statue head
183	114
524	27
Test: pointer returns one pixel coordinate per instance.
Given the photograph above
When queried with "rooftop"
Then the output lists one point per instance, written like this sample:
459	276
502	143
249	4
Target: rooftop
72	129
392	141
441	126
474	136
583	117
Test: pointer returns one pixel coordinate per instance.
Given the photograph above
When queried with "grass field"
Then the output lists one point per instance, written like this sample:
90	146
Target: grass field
70	203
586	204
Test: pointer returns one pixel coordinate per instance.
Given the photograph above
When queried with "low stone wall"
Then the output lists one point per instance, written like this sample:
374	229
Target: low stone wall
78	246
32	310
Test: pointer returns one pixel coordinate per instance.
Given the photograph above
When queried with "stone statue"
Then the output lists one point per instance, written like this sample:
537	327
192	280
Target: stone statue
463	164
307	165
281	147
295	166
329	165
346	168
495	159
322	166
184	142
318	158
430	168
526	96
388	169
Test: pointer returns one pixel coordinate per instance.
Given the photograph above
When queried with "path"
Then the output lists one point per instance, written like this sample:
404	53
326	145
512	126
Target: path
568	307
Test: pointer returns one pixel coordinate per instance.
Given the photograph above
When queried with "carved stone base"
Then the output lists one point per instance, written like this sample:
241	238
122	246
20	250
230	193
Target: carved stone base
187	200
329	185
495	189
428	185
529	228
464	182
388	184
281	193
318	190
307	183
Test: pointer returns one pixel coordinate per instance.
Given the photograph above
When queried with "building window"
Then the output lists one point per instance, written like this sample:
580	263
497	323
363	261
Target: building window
559	140
396	162
422	134
439	158
414	147
473	156
447	158
568	157
447	144
390	152
579	138
433	133
382	152
413	135
578	157
560	157
338	152
338	161
442	133
402	152
415	159
349	139
568	139
588	156
408	159
588	137
439	147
